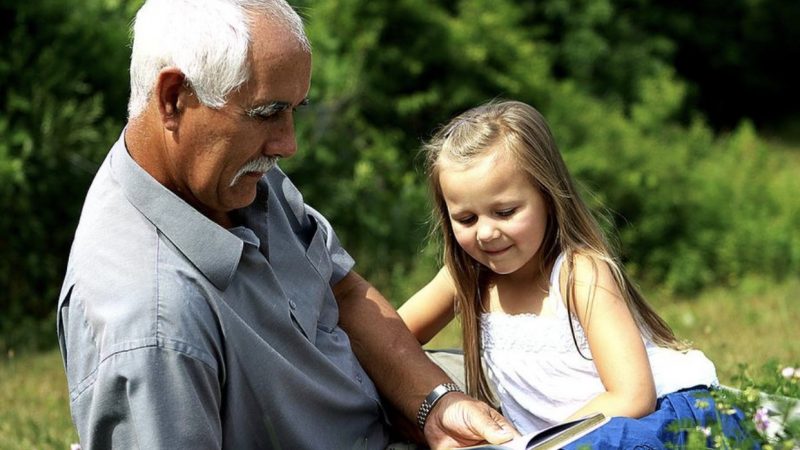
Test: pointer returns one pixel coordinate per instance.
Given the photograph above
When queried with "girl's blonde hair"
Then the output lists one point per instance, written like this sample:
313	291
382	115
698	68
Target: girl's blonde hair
520	130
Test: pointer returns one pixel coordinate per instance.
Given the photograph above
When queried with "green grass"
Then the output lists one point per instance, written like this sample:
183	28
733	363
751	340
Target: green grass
753	324
33	394
756	324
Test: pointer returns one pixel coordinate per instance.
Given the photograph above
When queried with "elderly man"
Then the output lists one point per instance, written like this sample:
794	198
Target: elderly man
205	305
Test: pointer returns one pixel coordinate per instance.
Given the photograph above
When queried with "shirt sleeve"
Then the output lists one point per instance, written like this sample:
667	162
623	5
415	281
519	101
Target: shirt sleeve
150	397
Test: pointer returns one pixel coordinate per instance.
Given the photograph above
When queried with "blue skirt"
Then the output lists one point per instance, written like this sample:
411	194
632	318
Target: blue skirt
689	408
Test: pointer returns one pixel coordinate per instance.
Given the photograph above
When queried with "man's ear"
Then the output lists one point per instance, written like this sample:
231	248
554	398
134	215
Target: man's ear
171	92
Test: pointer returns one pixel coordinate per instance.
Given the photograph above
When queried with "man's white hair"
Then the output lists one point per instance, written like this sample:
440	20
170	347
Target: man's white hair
208	40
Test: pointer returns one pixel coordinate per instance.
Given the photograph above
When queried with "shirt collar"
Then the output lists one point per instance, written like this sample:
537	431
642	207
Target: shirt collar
211	248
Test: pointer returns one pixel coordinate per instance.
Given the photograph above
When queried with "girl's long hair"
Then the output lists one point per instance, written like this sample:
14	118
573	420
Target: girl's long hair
520	131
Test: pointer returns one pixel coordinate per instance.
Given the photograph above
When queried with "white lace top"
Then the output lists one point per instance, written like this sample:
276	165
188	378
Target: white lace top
541	379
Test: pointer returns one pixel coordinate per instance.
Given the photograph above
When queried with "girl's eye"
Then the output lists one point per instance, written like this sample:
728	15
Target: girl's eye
506	212
465	220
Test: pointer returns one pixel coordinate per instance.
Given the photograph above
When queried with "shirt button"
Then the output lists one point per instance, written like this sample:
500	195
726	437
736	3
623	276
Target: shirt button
359	378
292	304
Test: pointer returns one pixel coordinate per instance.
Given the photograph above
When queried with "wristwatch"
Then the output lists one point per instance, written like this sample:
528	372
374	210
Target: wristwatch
436	394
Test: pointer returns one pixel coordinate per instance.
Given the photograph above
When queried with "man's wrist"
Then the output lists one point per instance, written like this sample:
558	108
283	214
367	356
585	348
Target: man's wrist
432	399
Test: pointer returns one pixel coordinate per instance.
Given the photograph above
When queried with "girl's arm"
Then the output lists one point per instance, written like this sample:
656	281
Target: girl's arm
615	342
430	309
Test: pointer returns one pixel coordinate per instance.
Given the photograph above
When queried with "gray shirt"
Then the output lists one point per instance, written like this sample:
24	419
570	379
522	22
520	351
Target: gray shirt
177	333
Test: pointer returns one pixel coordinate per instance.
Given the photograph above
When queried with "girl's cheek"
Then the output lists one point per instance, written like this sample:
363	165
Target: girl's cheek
463	239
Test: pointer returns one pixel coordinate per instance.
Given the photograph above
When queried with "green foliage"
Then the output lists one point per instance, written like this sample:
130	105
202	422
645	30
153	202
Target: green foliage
54	60
691	209
736	54
387	73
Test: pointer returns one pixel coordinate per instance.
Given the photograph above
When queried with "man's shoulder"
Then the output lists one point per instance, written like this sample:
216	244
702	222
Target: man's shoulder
133	282
115	248
128	289
129	304
121	248
124	275
108	221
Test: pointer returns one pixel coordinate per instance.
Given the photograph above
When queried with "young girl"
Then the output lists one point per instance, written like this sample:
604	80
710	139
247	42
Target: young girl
542	299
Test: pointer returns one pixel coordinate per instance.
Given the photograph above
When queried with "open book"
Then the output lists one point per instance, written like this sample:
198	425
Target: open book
553	437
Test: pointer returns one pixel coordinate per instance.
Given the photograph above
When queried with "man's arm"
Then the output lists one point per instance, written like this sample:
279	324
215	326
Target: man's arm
404	374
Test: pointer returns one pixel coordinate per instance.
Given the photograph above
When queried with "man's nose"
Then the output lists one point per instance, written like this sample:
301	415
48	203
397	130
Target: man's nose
282	141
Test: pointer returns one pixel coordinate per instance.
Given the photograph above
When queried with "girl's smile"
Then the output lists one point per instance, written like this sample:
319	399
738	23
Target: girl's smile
495	252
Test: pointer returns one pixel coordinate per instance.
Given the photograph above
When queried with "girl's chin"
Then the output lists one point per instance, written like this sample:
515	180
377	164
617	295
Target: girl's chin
502	269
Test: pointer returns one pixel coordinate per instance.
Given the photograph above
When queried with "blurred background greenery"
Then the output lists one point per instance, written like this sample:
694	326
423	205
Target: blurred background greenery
681	118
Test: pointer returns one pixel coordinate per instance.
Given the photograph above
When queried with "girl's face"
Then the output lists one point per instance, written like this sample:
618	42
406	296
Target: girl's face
498	216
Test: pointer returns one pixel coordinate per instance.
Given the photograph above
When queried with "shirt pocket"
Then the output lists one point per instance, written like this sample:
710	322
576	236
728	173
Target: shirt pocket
318	254
310	296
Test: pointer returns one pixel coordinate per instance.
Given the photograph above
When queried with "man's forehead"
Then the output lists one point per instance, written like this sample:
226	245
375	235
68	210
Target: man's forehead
276	86
269	33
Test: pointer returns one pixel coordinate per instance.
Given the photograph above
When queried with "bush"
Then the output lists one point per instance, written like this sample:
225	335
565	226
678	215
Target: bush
56	63
691	209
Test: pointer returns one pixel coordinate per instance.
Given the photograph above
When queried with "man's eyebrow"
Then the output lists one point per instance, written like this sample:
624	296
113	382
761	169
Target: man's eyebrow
272	108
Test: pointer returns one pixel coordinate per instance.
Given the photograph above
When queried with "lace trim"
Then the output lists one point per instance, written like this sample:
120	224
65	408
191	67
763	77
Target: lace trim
528	332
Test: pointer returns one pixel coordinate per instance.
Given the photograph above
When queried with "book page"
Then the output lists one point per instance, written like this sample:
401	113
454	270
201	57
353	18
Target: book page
552	437
562	434
519	443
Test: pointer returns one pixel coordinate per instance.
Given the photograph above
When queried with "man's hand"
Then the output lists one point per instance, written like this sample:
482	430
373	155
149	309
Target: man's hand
458	420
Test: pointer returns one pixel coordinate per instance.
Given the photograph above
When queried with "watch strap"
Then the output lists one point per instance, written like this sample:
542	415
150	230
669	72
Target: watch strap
436	394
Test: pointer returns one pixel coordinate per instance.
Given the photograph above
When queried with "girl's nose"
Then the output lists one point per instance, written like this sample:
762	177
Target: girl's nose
487	231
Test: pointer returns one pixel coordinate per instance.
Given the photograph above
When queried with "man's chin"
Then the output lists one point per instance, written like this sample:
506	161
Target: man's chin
242	195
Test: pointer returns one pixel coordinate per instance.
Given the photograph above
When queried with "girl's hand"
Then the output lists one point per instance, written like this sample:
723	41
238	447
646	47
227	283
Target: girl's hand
430	309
